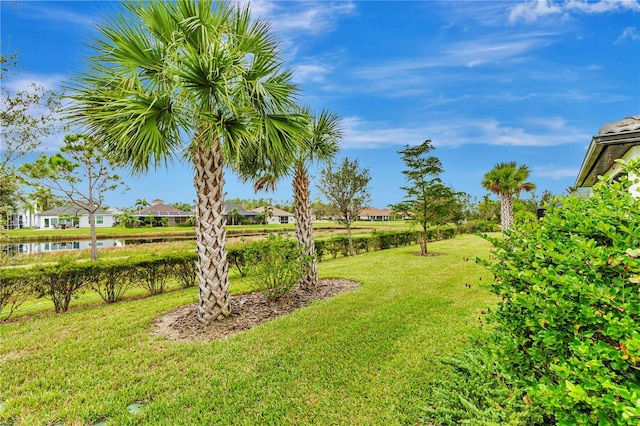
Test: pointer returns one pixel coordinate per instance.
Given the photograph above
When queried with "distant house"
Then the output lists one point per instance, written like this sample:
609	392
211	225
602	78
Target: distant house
278	216
158	210
238	210
371	213
22	218
615	140
71	216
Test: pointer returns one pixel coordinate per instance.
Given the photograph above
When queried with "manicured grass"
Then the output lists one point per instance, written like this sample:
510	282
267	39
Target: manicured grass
365	357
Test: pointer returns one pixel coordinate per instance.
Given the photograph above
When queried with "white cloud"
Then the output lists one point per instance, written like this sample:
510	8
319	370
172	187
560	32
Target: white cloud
447	65
27	81
315	73
630	33
307	17
555	173
533	10
530	11
53	13
361	134
602	6
533	132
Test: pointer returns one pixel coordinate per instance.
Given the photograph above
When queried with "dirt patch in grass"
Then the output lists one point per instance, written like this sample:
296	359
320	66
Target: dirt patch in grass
428	254
247	310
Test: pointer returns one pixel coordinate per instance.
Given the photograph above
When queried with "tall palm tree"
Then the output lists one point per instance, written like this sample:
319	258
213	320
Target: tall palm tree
322	145
204	71
507	180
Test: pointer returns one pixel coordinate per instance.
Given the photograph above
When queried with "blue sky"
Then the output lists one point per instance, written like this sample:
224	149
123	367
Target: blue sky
486	81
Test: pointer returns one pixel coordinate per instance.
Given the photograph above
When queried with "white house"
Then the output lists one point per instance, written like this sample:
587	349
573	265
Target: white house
70	216
278	216
22	218
615	140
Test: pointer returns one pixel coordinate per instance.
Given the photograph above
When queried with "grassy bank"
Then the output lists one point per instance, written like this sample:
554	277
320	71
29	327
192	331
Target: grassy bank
364	357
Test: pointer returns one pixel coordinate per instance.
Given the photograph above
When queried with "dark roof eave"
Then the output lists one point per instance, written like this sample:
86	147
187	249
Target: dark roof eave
597	146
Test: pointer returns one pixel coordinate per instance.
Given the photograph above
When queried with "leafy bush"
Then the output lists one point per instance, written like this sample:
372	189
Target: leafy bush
109	279
152	273
477	392
59	283
569	316
478	225
275	266
185	270
15	288
320	248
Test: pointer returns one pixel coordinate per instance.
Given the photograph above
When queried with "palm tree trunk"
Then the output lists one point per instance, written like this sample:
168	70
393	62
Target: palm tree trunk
304	225
506	211
212	269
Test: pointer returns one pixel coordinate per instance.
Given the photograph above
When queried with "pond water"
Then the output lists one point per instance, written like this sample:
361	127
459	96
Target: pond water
51	246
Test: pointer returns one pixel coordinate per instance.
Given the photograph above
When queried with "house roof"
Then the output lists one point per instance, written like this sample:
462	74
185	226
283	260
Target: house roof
372	211
73	211
159	208
241	210
612	142
274	210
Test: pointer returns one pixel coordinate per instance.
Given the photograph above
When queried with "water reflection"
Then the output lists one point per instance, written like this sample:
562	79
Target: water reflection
52	246
46	247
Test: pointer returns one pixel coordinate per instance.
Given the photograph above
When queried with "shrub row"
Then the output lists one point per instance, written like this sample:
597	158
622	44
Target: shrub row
378	241
110	278
478	225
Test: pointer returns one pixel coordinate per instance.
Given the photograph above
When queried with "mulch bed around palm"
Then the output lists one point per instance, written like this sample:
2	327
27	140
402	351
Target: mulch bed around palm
247	310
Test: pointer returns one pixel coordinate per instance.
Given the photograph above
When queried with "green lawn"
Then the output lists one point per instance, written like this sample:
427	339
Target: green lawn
361	358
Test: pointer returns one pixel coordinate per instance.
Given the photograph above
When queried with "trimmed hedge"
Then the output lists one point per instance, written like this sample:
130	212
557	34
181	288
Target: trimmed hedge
378	241
61	282
111	278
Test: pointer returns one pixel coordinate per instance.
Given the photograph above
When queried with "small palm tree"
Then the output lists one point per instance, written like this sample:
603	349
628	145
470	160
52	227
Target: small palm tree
507	180
322	145
141	203
164	70
268	214
127	218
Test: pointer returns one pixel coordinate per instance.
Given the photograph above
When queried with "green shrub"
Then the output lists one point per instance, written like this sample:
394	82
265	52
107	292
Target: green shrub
362	244
59	283
15	288
110	279
320	246
478	225
184	268
235	256
337	244
153	272
275	265
569	316
477	392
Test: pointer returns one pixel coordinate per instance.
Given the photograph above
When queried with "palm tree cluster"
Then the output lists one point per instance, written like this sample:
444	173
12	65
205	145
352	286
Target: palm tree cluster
205	82
200	81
